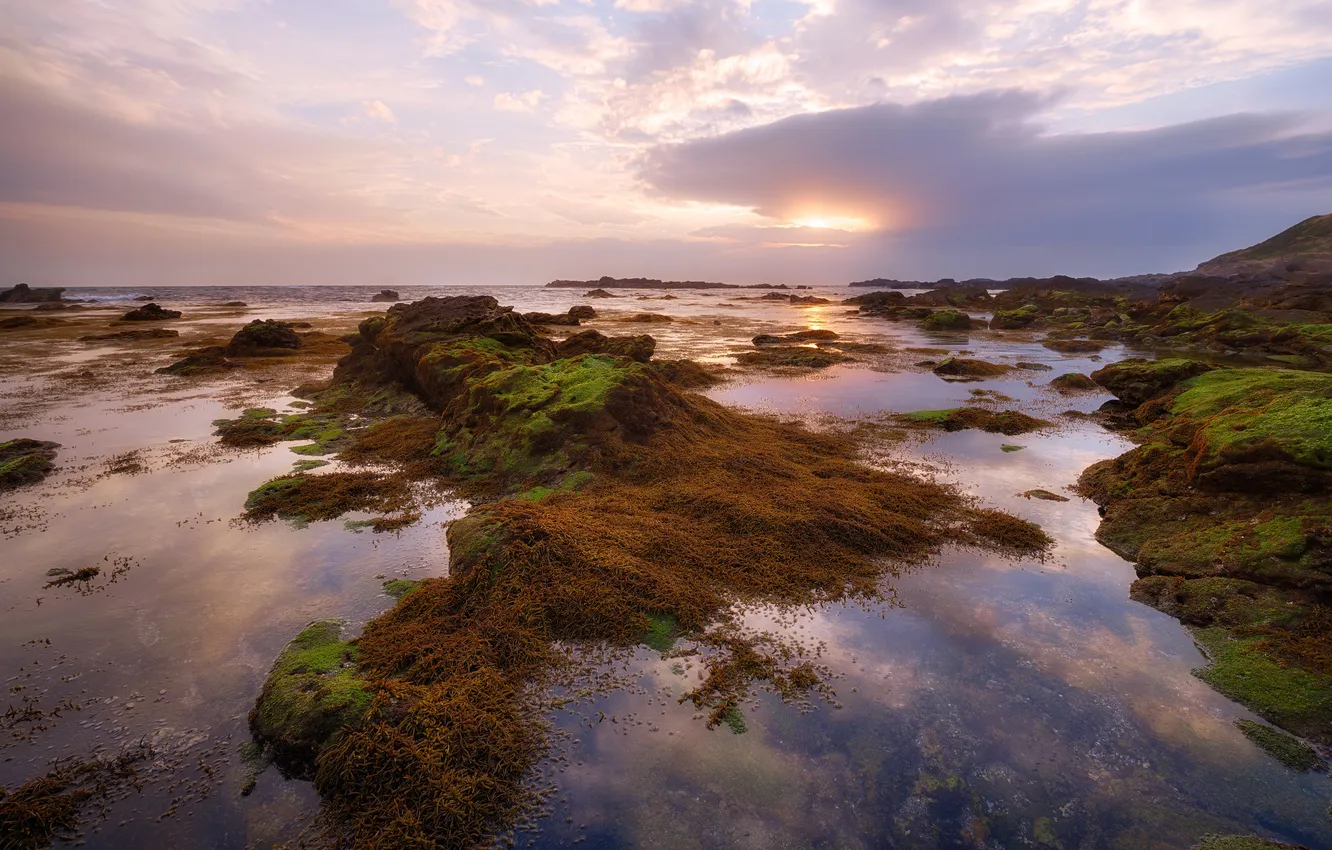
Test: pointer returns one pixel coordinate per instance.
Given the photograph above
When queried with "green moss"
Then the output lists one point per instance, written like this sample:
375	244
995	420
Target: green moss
311	693
735	721
577	480
307	465
1011	448
260	413
536	494
1295	699
269	489
946	320
1043	833
661	632
1287	749
1249	410
931	416
399	587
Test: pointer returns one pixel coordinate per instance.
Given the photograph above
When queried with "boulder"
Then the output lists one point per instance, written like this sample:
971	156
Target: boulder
583	311
598	293
964	369
1074	382
1137	381
150	312
946	320
263	336
550	318
389	296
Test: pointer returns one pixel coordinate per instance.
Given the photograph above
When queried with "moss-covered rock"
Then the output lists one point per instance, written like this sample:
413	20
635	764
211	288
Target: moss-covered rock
965	369
25	461
1137	381
1074	382
310	695
792	357
1287	749
946	320
263	337
1008	422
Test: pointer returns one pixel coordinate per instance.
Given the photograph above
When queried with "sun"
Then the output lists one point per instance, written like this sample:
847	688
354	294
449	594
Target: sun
832	222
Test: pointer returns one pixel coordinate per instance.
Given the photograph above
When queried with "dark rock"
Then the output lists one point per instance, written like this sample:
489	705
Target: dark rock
143	298
638	348
1034	367
598	293
649	318
205	361
260	337
550	318
964	369
583	311
946	320
386	296
150	313
1073	346
24	294
150	333
1074	382
13	322
233	304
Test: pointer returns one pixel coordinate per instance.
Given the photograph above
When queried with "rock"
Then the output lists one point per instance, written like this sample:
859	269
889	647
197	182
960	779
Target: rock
550	318
205	361
150	312
311	693
25	461
598	293
1137	381
143	298
1073	346
583	311
808	300
233	304
24	294
1074	382
133	336
1033	367
946	320
820	335
261	337
637	348
1013	319
386	295
1007	422
792	356
964	369
1044	495
649	318
14	322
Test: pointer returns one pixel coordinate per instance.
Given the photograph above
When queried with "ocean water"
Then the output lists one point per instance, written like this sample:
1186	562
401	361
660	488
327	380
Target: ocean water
993	703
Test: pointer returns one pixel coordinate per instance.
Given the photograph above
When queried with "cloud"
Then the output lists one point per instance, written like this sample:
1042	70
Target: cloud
525	102
377	110
474	80
975	172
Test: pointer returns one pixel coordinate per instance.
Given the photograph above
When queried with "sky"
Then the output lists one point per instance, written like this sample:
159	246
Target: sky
488	142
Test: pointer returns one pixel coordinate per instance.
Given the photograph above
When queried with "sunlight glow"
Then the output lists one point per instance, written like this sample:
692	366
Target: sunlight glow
832	222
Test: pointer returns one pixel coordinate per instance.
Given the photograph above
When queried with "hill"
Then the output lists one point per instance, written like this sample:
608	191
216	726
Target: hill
1308	243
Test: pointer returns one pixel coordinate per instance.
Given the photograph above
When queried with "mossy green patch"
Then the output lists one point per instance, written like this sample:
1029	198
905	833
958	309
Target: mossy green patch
931	416
307	465
400	587
1259	412
661	632
311	693
1009	448
1287	749
1295	699
1242	842
735	721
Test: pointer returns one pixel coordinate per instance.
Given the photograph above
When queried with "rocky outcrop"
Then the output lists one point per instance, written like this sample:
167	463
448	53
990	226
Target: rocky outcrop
966	369
1137	381
386	296
1305	247
24	294
264	337
150	313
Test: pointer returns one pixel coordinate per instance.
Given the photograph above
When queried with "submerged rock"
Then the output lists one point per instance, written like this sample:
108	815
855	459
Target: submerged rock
789	356
1073	346
1007	422
150	313
599	293
263	337
25	461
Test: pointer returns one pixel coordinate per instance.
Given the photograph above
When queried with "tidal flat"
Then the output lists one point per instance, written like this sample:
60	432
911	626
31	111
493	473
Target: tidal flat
975	696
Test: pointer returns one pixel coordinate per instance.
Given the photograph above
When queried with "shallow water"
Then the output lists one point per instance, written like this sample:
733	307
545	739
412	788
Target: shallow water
999	703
